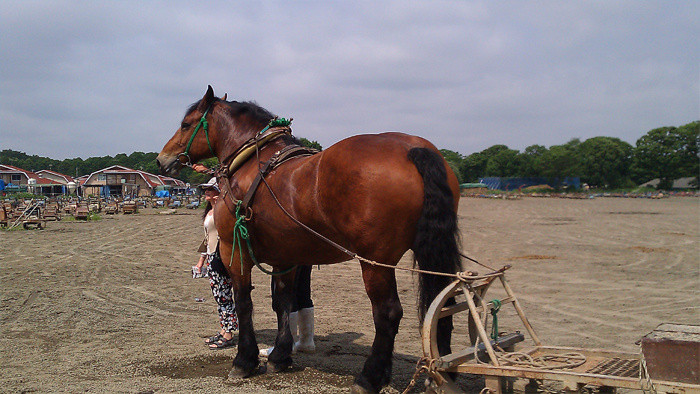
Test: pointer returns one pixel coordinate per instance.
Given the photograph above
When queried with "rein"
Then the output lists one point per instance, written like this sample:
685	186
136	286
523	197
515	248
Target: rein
276	128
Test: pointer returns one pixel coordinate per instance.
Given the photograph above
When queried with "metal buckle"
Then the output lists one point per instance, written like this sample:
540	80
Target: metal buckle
188	163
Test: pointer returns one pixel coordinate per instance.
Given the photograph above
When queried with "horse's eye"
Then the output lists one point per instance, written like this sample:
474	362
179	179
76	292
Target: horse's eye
184	126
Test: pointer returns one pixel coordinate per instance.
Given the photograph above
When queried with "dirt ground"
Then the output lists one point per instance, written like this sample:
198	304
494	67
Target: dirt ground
109	305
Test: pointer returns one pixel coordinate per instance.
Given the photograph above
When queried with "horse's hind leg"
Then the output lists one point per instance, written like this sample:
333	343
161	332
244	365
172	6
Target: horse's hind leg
280	358
380	284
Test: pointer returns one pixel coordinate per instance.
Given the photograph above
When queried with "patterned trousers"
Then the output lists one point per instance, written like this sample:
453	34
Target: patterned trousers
222	290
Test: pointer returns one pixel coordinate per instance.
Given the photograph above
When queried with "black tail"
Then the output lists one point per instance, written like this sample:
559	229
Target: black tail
436	245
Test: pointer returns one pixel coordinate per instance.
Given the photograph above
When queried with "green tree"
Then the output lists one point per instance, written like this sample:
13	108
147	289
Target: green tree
474	165
455	160
666	153
604	161
560	161
505	163
310	144
530	160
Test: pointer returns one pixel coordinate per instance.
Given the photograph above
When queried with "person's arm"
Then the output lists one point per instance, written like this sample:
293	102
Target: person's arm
200	168
202	259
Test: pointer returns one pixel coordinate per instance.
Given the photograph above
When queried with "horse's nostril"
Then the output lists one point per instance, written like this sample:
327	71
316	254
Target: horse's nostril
158	163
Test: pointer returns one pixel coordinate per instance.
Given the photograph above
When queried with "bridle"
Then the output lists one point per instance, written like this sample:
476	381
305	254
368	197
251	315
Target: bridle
204	125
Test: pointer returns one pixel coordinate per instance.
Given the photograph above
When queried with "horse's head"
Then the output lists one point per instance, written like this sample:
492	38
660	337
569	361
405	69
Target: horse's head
195	139
212	127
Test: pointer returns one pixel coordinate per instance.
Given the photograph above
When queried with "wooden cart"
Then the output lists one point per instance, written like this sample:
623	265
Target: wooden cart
493	358
81	212
129	207
112	208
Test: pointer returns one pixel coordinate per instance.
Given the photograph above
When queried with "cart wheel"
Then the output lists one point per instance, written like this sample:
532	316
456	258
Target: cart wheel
442	381
463	336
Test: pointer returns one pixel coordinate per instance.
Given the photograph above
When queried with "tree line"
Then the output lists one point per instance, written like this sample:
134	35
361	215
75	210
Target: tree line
666	153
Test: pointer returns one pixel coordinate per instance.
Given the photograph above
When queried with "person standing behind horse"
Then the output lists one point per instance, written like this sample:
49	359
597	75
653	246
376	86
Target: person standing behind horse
221	285
301	317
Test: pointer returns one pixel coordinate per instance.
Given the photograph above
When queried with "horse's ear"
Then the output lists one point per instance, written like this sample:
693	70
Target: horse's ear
207	99
225	97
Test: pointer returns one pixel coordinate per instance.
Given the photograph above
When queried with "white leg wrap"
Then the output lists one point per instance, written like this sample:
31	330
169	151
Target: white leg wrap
306	331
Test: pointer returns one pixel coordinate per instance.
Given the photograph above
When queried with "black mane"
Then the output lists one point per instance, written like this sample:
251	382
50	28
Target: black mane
250	108
254	111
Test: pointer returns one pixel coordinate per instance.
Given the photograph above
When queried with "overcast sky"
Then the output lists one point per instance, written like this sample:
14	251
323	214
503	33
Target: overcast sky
95	78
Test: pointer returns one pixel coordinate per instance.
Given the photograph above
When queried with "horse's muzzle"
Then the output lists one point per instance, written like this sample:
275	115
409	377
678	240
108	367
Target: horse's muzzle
168	165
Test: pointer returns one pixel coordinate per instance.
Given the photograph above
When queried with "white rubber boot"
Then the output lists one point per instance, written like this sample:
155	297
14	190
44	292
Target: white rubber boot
293	327
306	331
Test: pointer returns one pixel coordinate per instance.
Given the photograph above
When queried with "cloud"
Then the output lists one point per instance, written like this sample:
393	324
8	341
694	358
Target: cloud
94	79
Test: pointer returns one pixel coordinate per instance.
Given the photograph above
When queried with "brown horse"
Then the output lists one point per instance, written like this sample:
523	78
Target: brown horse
373	195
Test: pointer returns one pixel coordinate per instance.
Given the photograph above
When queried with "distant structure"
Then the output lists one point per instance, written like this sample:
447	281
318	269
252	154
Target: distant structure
510	184
680	183
115	181
45	182
122	181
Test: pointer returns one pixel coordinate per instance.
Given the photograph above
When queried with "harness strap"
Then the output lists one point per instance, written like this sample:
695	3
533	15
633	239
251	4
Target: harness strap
240	231
287	153
230	201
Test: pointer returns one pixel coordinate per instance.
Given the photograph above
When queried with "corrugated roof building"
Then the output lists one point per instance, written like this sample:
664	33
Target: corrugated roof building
49	183
123	181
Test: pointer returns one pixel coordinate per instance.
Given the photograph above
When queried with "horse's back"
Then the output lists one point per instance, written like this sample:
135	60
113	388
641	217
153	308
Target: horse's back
379	161
368	186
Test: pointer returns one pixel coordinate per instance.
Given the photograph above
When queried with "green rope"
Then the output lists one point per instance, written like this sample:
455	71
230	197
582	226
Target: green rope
240	232
494	312
202	123
276	122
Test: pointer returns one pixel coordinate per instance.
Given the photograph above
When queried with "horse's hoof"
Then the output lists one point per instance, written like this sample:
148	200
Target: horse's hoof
238	373
277	367
357	389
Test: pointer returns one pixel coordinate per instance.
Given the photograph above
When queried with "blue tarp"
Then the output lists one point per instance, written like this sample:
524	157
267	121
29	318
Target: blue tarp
162	193
2	184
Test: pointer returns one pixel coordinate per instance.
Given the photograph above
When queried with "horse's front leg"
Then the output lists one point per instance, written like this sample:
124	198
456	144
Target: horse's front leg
246	361
280	358
380	284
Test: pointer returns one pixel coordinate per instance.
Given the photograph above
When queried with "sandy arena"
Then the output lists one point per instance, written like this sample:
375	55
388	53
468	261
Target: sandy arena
109	305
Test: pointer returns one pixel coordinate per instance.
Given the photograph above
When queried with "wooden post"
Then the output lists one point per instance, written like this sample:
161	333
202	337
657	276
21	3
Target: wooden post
479	325
520	312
